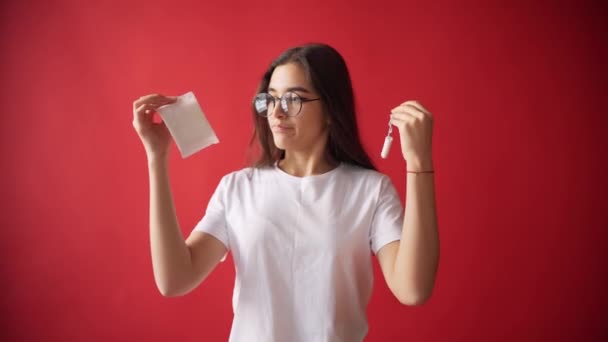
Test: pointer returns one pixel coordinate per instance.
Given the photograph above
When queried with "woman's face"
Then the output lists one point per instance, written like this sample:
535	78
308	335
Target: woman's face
305	131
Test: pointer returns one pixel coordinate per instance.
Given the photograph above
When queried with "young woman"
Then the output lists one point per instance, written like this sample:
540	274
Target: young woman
301	224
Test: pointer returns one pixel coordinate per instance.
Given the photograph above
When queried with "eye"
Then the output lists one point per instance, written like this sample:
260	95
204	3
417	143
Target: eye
293	98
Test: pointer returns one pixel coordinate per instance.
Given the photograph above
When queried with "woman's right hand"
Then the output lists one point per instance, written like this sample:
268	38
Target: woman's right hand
154	136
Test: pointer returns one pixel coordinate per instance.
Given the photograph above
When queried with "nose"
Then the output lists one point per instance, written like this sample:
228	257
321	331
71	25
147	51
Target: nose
277	111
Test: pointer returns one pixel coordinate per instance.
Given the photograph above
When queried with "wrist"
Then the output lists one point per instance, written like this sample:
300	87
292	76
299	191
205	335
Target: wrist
158	159
420	165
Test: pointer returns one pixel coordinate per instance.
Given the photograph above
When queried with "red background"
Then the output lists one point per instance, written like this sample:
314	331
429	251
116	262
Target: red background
519	98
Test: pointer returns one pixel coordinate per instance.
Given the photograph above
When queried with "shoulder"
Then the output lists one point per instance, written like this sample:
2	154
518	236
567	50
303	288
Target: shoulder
360	174
368	185
372	182
245	175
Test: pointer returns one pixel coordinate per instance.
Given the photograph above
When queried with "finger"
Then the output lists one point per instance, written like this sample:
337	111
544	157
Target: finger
409	110
142	114
418	106
150	107
400	124
158	99
402	117
145	108
406	117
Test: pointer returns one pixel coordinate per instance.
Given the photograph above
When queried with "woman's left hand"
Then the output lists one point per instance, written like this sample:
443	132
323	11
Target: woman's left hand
415	124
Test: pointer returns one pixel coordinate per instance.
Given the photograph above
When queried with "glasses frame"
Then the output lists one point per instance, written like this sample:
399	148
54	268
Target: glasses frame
282	100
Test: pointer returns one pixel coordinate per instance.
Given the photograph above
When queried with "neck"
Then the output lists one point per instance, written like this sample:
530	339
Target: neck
307	163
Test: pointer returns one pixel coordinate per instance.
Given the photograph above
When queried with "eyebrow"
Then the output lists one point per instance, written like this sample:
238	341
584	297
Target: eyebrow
302	89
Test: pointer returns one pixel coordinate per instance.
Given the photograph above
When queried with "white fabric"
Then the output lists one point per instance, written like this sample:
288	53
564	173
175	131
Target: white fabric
302	249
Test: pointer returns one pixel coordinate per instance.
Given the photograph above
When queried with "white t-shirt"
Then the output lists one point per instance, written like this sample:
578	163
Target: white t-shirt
302	249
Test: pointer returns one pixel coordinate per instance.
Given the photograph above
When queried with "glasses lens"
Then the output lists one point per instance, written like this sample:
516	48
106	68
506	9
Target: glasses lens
262	102
291	103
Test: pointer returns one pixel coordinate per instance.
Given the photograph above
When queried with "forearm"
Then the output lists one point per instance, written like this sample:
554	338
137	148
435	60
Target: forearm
417	259
170	255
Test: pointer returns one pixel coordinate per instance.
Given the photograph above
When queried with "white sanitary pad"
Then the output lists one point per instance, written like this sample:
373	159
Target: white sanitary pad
188	125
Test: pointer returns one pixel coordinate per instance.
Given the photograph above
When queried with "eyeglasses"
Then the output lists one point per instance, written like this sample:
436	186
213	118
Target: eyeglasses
291	103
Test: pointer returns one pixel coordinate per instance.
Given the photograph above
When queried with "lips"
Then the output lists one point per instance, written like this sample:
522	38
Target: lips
281	128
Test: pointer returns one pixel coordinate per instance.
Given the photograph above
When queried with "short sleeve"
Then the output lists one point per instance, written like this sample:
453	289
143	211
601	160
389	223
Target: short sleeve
214	221
387	221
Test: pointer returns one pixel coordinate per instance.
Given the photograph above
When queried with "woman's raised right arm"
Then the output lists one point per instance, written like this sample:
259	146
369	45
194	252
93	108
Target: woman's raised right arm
179	265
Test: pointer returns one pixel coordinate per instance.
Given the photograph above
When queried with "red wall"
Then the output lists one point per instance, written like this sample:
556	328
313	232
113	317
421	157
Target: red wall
519	99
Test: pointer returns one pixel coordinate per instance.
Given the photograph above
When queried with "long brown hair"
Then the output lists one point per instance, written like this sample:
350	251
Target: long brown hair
328	74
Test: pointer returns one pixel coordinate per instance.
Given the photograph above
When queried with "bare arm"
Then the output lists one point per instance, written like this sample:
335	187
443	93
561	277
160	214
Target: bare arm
179	266
410	265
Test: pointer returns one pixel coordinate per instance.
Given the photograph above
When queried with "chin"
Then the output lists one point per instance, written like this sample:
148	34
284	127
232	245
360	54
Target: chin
282	144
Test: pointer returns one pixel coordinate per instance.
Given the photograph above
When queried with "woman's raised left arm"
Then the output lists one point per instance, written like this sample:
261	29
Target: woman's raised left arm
410	265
